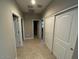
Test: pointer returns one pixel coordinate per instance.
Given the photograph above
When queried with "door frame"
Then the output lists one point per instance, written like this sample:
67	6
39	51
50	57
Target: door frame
44	29
22	27
60	12
33	26
19	18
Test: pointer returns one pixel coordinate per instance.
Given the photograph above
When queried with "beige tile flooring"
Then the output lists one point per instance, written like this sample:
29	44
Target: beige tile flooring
34	49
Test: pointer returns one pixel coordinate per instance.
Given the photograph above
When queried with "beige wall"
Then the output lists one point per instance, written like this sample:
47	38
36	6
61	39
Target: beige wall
7	37
54	7
28	18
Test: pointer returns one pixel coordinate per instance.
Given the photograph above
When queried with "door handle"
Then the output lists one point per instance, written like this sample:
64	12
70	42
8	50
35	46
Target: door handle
71	49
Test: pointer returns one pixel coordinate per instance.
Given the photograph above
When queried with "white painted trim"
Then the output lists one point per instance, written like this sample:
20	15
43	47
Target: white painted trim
44	30
32	29
23	29
29	38
13	12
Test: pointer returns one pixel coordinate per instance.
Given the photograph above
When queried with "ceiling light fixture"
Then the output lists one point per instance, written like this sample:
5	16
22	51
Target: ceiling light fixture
33	2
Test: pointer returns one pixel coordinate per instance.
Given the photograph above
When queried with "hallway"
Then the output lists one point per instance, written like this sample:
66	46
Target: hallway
55	21
34	49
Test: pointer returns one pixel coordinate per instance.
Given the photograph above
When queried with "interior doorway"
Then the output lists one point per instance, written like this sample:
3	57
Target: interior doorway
36	29
16	29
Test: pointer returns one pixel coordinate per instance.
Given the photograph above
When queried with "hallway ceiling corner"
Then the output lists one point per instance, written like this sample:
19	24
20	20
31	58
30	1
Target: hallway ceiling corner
26	5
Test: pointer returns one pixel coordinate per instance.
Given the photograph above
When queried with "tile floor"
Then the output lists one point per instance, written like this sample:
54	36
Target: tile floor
34	49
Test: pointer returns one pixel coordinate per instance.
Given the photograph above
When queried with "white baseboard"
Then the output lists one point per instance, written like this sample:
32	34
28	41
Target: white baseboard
29	38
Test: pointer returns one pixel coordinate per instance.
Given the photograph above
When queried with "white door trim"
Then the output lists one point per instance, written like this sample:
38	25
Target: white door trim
23	29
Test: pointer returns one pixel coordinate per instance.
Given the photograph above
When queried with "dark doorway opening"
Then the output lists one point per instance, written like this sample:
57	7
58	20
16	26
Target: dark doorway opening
35	28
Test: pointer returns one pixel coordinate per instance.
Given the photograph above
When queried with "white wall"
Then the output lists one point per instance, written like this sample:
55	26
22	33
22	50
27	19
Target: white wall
7	37
54	7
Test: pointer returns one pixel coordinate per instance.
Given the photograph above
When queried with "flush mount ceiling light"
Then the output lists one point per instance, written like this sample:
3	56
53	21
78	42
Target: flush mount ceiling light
33	2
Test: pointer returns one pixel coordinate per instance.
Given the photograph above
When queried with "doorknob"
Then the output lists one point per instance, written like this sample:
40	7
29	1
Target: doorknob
71	49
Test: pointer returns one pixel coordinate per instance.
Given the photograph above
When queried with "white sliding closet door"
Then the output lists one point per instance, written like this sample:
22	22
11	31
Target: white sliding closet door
65	34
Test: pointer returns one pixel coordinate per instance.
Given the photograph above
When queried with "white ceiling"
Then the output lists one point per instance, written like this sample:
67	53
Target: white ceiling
23	4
